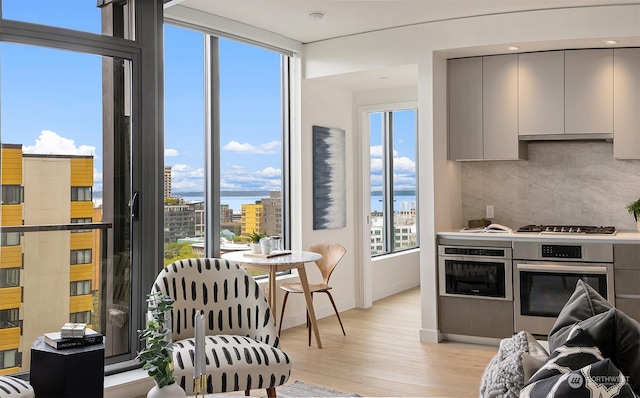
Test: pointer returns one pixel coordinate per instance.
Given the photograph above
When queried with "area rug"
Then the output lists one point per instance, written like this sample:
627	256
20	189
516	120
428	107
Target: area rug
300	389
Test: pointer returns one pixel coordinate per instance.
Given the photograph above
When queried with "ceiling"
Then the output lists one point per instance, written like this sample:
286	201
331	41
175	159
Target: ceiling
290	18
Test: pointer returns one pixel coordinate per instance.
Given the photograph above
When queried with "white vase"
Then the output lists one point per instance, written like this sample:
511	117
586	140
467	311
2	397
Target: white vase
169	391
638	225
255	248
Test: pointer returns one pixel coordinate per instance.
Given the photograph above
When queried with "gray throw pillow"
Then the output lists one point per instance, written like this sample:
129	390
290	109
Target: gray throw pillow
584	303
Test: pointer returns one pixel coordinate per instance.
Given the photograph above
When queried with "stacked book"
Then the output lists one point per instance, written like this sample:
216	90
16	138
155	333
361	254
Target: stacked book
73	335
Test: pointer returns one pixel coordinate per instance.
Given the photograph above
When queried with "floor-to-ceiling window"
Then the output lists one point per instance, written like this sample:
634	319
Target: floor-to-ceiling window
225	107
393	183
77	114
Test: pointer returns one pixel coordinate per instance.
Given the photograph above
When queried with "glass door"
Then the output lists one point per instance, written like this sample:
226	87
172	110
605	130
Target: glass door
65	217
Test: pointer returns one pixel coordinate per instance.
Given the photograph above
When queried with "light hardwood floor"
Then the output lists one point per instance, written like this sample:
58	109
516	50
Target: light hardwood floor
382	356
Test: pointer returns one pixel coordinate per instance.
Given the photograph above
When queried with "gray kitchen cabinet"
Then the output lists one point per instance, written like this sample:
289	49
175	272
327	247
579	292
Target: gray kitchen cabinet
588	86
465	108
626	114
541	93
626	269
475	317
500	108
483	113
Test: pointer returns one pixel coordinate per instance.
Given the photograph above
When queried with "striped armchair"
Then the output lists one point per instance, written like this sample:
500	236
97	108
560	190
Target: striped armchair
241	341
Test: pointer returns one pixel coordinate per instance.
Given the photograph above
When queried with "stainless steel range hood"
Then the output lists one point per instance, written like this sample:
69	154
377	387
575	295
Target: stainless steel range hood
608	137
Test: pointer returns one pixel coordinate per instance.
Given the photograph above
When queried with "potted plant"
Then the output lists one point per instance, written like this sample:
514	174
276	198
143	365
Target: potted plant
634	208
255	241
158	352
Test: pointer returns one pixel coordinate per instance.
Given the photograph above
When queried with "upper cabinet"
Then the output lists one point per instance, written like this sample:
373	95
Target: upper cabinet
541	93
626	113
498	103
465	108
500	108
588	82
483	113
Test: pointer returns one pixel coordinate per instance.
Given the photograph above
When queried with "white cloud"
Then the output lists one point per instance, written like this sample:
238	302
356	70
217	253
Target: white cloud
375	151
404	164
50	143
270	172
270	148
170	153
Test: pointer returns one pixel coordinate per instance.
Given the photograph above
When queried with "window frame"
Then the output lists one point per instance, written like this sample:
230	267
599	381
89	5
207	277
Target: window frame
80	194
86	284
10	193
14	318
391	242
145	55
7	274
81	256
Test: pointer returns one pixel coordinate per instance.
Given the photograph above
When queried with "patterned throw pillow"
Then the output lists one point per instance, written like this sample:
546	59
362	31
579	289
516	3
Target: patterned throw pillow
578	369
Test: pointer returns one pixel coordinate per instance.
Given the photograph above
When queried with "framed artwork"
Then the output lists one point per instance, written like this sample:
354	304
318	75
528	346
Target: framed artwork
329	178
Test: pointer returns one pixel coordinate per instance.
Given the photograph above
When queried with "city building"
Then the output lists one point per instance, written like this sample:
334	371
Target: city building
272	213
38	191
167	181
252	219
179	222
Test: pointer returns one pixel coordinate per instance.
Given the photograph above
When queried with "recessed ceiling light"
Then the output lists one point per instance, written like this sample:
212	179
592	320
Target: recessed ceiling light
610	42
384	77
316	15
513	48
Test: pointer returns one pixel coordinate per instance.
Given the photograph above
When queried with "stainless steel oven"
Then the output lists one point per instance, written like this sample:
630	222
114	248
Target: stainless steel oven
478	272
545	275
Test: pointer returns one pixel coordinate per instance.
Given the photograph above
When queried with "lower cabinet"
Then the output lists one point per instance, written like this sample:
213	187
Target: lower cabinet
475	317
626	268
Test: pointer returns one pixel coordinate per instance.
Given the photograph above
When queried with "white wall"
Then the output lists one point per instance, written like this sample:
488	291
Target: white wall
428	45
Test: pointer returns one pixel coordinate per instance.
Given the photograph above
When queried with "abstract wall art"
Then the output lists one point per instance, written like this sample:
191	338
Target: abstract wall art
329	178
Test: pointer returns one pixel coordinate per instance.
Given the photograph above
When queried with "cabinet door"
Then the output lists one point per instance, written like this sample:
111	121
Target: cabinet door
588	80
500	107
541	93
465	108
626	111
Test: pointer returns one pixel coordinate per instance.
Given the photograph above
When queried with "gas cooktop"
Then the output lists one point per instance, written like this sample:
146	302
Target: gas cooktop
568	229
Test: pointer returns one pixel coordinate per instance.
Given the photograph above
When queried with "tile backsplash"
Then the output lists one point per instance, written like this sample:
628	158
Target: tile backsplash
563	182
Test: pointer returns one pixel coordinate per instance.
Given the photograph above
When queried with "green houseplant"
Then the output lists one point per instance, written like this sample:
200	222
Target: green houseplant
634	209
256	236
157	355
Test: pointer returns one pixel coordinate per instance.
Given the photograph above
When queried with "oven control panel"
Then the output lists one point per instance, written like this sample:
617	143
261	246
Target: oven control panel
561	251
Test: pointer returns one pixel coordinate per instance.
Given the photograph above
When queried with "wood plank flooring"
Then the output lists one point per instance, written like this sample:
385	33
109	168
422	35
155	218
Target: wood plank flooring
382	356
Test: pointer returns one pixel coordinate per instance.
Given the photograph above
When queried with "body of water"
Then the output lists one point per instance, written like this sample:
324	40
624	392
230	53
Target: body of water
402	203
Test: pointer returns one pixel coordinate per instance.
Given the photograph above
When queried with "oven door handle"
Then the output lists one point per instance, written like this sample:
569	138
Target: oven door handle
593	269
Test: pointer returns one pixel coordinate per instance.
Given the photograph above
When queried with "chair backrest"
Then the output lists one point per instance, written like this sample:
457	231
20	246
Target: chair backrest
332	253
230	298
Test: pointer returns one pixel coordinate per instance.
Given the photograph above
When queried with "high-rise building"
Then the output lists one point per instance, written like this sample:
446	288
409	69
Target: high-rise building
179	222
167	181
40	191
272	213
252	219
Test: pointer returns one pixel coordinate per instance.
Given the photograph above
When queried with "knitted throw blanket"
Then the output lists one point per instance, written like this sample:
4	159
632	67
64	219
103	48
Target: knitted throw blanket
504	376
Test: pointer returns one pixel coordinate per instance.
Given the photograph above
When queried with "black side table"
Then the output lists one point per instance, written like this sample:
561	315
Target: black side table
71	372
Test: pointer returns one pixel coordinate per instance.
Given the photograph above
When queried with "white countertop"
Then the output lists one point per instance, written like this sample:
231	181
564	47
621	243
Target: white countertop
628	237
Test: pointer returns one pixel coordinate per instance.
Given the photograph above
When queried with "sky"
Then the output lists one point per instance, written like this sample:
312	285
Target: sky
51	103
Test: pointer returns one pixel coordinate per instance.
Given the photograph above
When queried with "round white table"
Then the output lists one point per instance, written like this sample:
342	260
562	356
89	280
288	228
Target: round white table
277	263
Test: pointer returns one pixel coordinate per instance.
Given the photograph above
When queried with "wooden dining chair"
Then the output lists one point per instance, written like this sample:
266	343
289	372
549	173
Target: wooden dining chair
332	253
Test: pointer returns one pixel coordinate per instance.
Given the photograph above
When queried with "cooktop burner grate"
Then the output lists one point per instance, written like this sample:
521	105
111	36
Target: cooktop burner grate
568	229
